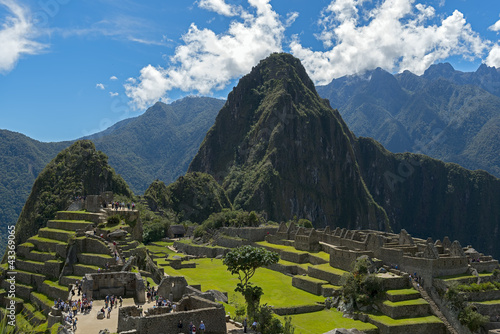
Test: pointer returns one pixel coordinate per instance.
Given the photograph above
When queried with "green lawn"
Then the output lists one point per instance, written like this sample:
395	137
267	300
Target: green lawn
160	250
324	321
278	290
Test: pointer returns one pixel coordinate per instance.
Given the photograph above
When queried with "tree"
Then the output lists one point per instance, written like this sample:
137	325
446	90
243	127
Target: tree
244	261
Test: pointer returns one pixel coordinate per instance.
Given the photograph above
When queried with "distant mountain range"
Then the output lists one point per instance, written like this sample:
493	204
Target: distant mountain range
158	144
446	114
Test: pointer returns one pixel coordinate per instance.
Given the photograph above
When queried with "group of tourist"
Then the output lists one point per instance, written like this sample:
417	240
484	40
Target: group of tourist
73	307
192	327
122	205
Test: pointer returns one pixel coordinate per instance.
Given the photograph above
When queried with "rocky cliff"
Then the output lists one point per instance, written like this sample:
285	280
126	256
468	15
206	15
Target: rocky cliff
277	146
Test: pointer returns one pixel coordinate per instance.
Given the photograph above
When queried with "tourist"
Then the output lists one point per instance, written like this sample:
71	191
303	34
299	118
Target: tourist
179	325
74	324
191	326
109	312
245	325
254	325
202	327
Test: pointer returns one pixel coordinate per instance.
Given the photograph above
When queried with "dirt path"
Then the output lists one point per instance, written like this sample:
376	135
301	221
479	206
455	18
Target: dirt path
89	324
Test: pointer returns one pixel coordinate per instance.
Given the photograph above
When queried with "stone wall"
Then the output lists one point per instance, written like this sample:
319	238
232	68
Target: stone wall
345	258
298	309
309	285
125	284
92	244
92	217
405	311
200	250
172	287
213	317
485	266
324	275
252	234
231	242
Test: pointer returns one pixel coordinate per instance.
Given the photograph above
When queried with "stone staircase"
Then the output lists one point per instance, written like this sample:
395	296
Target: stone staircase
42	258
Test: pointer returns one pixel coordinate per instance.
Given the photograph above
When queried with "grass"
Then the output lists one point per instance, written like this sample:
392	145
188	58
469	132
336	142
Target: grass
162	243
326	267
401	292
324	321
388	321
56	284
58	230
489	302
37	238
311	279
278	290
43	298
462	276
160	250
87	266
304	266
418	301
105	256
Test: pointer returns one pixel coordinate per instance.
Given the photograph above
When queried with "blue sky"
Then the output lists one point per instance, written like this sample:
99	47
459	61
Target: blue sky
69	68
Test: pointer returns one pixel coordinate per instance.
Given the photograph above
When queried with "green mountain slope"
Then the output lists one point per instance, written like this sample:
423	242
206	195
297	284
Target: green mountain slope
277	146
78	170
446	114
192	197
160	143
156	145
428	197
21	160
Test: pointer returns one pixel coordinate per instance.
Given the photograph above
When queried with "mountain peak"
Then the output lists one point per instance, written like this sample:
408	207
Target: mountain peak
277	147
435	71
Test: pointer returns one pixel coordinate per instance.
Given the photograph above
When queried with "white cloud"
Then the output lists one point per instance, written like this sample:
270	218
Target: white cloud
113	78
493	58
16	36
207	61
99	86
393	35
113	94
219	6
495	27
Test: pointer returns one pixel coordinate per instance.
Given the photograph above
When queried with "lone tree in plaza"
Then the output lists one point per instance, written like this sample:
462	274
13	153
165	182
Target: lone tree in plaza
244	261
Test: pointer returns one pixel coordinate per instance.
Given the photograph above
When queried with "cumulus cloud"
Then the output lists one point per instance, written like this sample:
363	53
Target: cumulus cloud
113	94
219	6
99	86
394	34
113	78
207	61
16	36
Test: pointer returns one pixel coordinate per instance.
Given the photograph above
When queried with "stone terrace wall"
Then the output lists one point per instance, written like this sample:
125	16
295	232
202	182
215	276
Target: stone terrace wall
344	258
213	317
200	250
93	217
252	234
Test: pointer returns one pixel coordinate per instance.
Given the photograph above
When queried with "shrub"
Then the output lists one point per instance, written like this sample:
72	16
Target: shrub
470	318
114	220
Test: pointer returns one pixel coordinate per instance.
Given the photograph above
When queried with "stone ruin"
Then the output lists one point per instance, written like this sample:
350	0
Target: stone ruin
191	305
125	284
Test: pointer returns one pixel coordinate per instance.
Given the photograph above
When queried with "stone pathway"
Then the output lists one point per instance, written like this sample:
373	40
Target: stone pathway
435	309
89	324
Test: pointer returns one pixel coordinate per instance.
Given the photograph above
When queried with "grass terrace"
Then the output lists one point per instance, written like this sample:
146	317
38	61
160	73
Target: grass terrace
37	238
278	290
412	302
324	321
301	265
462	276
489	302
388	321
326	267
402	292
